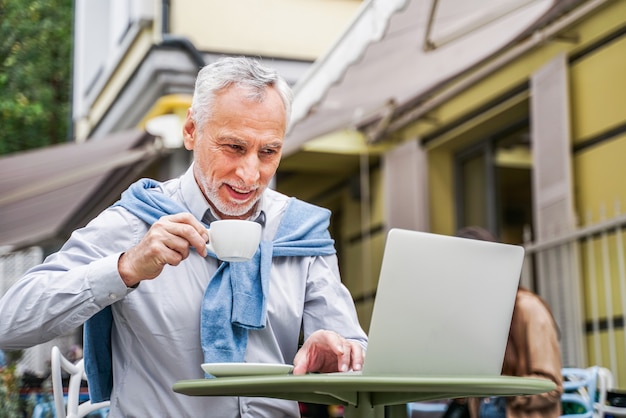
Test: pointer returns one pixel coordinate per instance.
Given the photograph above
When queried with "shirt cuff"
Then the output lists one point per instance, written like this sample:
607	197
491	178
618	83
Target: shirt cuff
105	281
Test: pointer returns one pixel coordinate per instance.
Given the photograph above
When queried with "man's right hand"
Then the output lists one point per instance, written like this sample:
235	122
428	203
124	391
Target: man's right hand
168	241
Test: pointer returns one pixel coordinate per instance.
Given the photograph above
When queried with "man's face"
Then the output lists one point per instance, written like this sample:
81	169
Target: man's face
237	151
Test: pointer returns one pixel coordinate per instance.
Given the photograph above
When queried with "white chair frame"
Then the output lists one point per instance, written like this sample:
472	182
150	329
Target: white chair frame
605	383
77	374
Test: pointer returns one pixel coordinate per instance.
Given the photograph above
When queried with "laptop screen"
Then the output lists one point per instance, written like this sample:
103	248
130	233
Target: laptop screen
443	305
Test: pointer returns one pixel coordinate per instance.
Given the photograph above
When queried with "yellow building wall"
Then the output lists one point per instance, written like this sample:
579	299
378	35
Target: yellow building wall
289	29
598	87
599	173
441	192
601	195
603	293
518	71
597	105
601	351
297	29
362	250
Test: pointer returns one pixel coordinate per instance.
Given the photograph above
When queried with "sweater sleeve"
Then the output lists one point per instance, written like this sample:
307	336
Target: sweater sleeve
537	340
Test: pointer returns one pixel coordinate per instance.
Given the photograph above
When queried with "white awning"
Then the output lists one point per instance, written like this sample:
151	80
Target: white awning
395	50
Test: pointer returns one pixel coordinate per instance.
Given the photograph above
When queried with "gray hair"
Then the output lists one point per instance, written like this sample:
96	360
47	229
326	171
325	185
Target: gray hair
240	71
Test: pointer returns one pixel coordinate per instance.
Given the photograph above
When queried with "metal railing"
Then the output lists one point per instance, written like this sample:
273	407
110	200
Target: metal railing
582	275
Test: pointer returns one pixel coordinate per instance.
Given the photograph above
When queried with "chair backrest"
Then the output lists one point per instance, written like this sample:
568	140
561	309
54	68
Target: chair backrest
606	383
74	409
579	389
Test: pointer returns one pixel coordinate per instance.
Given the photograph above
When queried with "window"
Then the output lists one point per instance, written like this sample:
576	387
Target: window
494	183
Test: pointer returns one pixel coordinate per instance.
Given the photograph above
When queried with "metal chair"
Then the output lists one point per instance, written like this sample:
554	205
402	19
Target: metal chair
606	382
579	391
75	409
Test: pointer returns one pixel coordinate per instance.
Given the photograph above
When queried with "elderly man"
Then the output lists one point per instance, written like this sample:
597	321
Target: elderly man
140	279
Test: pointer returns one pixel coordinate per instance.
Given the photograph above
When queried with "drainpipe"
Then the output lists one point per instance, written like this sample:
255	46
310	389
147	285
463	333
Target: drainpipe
537	38
70	114
178	41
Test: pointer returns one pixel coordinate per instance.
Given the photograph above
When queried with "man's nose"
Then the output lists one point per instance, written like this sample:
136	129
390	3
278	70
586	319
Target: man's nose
248	169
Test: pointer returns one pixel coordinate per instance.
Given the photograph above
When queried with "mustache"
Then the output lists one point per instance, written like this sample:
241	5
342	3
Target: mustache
242	187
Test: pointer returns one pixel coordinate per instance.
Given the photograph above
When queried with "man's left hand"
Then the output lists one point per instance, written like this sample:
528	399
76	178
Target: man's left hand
327	352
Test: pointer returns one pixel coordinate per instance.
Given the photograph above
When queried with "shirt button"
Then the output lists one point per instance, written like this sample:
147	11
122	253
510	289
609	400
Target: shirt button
112	296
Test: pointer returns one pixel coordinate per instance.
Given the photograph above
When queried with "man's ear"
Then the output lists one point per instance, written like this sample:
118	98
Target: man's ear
189	131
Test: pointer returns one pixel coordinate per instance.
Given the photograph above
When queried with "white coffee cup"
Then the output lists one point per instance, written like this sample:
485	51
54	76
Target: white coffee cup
234	239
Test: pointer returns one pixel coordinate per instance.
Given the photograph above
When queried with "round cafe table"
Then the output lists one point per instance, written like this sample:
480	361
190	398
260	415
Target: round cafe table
364	396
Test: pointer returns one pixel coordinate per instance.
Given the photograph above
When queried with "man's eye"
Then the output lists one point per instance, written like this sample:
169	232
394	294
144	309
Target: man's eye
235	147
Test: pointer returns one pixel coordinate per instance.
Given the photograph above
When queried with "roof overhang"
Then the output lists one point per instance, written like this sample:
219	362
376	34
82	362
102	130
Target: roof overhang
395	51
47	193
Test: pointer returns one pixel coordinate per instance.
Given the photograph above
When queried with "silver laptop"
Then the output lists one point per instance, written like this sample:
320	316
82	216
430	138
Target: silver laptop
443	305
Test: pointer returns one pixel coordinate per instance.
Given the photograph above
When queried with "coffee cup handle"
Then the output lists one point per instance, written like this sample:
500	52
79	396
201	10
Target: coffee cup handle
208	244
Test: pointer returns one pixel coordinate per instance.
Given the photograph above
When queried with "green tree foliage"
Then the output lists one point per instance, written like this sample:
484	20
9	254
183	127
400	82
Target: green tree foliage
35	63
10	387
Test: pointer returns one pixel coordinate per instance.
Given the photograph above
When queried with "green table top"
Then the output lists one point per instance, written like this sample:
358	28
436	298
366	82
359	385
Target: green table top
354	389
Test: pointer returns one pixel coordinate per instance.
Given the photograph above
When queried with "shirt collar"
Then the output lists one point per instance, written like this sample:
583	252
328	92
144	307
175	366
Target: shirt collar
192	195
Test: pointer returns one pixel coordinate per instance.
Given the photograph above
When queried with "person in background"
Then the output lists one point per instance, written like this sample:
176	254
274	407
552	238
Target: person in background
156	305
74	353
532	351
